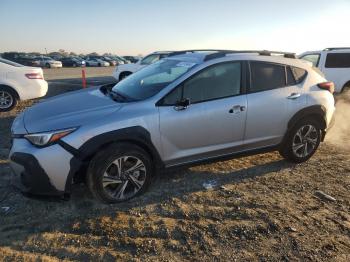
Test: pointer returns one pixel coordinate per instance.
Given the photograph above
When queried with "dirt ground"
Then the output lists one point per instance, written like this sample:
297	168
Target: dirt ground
261	208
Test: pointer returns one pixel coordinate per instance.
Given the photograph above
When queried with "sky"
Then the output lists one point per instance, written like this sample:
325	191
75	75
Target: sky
133	27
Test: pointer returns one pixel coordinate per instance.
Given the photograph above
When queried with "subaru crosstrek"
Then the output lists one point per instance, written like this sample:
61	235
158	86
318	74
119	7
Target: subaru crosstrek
189	108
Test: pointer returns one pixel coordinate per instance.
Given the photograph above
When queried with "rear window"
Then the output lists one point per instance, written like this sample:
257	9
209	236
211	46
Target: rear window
338	60
266	76
8	62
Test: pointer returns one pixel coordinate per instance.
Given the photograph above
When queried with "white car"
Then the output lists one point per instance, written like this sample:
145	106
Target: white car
334	64
48	62
18	82
122	71
96	62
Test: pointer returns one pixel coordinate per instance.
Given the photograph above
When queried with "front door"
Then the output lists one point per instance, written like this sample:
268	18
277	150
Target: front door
212	124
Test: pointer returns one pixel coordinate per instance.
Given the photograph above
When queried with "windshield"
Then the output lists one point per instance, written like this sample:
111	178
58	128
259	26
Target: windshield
7	62
151	79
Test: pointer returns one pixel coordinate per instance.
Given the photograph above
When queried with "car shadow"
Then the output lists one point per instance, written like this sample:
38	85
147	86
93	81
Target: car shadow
177	184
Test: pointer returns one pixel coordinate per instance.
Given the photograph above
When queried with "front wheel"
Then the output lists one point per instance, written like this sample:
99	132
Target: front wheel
47	65
302	141
119	173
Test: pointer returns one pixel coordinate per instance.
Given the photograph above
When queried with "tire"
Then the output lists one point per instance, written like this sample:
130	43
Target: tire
99	64
47	65
8	99
302	141
87	64
119	186
74	64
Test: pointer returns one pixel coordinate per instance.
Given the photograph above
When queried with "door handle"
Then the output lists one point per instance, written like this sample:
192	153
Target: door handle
236	109
294	96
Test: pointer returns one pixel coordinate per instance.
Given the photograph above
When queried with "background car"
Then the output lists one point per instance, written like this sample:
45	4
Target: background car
111	61
18	82
125	70
132	59
95	62
72	61
48	62
334	64
21	58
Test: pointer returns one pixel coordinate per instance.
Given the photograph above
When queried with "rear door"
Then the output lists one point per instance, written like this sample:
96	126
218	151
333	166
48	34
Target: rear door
213	124
267	105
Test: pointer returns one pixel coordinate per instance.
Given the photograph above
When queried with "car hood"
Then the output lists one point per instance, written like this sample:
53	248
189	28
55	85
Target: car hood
69	110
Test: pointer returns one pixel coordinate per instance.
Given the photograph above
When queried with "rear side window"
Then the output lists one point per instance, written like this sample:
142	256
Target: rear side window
266	76
338	60
299	74
290	77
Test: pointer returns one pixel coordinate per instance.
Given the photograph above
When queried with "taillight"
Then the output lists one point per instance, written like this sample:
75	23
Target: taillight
329	86
34	76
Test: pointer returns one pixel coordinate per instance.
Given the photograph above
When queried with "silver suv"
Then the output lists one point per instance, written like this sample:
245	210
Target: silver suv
189	108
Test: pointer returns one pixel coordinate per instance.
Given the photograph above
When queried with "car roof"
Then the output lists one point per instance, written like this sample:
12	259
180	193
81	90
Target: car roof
225	55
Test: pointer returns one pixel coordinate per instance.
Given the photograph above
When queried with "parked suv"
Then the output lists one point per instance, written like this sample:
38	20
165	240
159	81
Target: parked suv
334	63
122	71
188	108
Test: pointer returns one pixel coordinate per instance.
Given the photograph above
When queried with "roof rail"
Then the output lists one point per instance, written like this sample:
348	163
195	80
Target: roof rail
181	52
335	48
217	53
260	52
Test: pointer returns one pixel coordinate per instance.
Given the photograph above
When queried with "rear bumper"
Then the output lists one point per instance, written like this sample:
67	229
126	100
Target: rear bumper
35	89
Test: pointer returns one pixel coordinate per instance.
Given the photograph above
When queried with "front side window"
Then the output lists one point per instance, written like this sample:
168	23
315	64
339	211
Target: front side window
313	58
266	76
150	80
338	60
150	59
217	81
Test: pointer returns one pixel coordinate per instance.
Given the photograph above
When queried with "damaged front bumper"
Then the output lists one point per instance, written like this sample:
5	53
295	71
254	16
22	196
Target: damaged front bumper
42	171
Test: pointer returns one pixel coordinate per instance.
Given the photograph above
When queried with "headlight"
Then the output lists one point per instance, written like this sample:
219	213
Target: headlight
43	139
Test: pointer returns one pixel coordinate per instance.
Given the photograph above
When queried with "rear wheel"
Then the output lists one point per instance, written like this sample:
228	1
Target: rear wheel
302	141
8	99
119	173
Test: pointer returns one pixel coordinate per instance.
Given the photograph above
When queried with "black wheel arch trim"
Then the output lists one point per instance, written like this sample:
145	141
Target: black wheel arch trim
136	135
318	110
314	110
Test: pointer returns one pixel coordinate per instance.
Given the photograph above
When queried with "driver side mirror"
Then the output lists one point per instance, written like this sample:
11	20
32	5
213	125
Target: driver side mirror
182	104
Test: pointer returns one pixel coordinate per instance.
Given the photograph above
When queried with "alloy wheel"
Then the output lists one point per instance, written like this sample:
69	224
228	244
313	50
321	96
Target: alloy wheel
124	177
6	100
305	141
